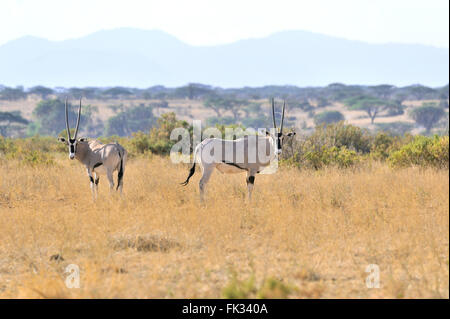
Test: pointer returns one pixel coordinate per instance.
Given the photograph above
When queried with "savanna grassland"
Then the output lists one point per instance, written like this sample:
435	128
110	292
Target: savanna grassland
306	233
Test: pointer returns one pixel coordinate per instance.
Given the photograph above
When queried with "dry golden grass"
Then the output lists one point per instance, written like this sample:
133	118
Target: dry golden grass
316	232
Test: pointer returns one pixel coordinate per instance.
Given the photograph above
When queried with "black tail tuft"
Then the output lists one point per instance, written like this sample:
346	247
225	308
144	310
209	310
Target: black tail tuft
120	174
191	172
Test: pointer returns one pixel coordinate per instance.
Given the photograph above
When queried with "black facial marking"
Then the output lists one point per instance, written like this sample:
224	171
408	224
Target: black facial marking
279	135
97	180
251	180
232	164
98	164
91	179
72	148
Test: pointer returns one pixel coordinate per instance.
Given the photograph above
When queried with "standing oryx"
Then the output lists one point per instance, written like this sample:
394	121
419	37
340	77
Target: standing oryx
249	154
97	157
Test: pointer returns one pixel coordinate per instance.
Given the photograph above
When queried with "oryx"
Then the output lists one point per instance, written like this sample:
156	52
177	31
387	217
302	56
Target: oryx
249	154
97	157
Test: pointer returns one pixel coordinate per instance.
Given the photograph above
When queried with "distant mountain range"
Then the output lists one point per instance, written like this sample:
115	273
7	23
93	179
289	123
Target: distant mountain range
138	58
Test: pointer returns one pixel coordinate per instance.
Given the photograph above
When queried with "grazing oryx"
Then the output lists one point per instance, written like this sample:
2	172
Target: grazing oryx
97	157
249	154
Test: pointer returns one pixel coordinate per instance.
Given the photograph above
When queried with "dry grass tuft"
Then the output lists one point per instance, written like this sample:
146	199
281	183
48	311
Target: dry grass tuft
144	243
307	234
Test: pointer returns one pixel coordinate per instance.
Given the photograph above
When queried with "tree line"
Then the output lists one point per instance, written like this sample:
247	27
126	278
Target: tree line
241	106
334	92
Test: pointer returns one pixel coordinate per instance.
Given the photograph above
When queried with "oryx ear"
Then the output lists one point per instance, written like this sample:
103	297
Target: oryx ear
82	139
290	134
267	133
62	140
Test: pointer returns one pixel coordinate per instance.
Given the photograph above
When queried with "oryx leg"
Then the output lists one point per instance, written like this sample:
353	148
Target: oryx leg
91	180
109	174
250	183
206	174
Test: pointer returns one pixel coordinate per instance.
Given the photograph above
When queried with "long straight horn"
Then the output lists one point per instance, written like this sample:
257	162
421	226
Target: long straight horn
282	117
78	120
273	114
67	121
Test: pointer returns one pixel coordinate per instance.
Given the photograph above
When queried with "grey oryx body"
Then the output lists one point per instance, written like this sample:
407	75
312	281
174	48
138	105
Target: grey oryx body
98	158
250	154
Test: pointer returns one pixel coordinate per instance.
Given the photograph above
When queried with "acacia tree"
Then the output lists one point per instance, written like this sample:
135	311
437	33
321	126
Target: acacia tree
42	91
126	122
88	92
50	117
427	115
10	121
252	108
214	103
328	117
321	101
443	104
234	106
117	92
221	104
13	94
382	91
371	105
420	92
443	97
192	91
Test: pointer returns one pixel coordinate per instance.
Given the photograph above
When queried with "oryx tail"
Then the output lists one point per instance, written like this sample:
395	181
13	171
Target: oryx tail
192	170
120	174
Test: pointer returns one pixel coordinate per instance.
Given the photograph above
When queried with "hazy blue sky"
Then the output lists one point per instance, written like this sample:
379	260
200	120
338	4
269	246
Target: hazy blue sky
209	22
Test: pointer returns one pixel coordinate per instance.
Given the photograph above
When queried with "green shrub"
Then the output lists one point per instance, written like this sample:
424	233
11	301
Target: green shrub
396	128
161	147
237	129
328	117
224	120
35	158
6	144
33	152
245	289
337	145
140	143
240	289
423	151
159	138
331	156
273	288
339	135
46	144
384	144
